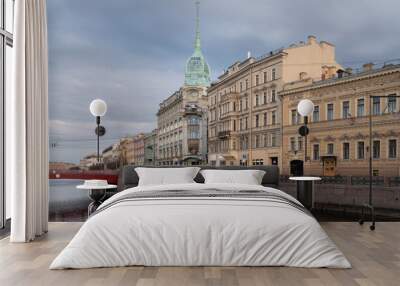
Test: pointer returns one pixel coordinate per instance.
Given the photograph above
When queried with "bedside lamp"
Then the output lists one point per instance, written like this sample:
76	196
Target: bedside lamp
98	108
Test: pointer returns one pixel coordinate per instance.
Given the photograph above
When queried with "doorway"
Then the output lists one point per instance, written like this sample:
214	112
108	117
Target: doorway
329	166
297	168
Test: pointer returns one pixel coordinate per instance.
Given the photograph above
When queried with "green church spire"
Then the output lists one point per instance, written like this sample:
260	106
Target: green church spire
197	71
197	43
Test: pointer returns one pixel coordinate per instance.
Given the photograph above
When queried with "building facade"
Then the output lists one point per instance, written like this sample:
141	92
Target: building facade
150	147
182	117
112	157
90	162
338	140
62	166
127	151
138	149
244	106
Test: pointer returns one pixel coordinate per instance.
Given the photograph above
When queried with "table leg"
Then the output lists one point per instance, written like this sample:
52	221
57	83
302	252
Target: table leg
305	193
96	196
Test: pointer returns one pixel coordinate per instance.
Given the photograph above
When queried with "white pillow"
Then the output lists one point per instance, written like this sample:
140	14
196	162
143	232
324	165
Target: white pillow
166	176
248	177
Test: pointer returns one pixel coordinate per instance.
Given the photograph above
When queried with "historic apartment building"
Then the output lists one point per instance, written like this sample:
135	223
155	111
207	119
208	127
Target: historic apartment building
90	162
182	117
150	146
338	142
244	106
112	157
138	149
127	150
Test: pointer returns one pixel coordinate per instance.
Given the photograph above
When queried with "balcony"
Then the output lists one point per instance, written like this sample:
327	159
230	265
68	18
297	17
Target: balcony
224	134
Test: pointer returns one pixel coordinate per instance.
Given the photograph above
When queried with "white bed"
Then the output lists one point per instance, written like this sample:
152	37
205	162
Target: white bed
202	231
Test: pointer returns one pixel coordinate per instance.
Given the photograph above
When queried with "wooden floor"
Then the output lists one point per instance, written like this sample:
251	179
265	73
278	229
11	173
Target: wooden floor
375	257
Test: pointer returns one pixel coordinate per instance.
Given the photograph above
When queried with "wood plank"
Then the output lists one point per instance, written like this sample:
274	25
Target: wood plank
375	257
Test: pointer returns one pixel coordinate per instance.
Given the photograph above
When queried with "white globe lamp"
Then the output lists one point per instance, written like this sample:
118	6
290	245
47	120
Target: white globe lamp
98	107
305	107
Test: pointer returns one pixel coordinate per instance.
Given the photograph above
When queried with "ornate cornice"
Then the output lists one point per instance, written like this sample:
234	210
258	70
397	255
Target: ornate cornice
329	138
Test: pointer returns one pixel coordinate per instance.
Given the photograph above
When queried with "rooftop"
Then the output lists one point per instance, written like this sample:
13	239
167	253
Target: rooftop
240	65
342	76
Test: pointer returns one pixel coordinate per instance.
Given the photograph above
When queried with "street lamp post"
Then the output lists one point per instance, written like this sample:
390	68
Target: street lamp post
98	108
370	205
305	108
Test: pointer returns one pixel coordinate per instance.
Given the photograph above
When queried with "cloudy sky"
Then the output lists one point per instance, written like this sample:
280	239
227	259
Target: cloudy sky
132	53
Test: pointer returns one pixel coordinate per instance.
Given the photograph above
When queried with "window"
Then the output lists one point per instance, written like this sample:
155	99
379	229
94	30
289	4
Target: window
257	79
258	141
265	119
273	95
193	120
6	43
257	100
273	117
273	74
265	77
346	151
294	117
257	120
265	98
392	148
300	143
360	107
315	152
273	140
292	144
329	148
258	162
376	149
391	104
247	83
316	114
346	109
360	150
241	86
376	106
329	111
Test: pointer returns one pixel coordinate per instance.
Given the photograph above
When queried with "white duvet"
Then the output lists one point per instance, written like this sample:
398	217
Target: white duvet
193	231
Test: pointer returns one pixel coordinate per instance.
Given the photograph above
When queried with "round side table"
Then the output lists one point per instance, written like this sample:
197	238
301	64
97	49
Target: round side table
96	194
305	190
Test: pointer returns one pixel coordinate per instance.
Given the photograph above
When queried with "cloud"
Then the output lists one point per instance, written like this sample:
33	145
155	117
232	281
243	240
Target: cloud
132	53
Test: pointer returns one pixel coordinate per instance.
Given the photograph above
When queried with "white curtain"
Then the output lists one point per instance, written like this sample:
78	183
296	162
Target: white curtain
27	146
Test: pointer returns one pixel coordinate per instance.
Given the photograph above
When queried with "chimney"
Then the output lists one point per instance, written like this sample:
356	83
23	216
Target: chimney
311	40
368	67
302	75
349	71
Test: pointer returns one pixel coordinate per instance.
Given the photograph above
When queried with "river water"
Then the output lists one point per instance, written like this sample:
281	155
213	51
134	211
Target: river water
66	202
